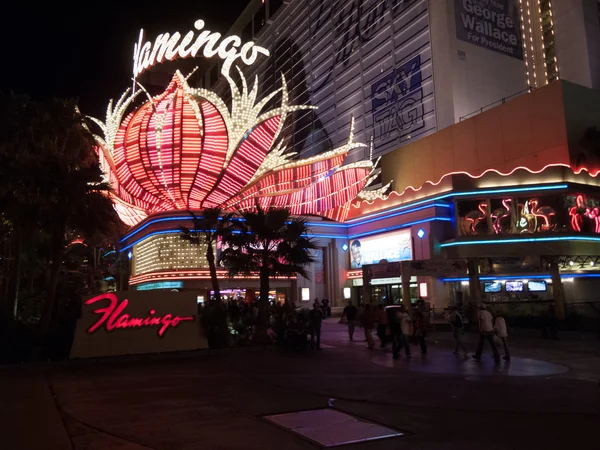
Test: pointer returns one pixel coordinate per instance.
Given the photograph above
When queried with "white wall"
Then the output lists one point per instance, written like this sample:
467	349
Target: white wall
571	41
467	77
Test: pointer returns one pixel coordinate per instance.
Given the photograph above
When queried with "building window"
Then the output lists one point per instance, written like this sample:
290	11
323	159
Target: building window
260	19
247	33
274	5
550	60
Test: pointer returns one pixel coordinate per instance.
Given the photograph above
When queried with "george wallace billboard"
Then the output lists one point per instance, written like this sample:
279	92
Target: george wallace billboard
367	59
492	24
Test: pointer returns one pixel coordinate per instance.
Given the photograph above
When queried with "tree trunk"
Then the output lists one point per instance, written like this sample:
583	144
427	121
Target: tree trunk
15	299
12	278
262	324
48	311
210	257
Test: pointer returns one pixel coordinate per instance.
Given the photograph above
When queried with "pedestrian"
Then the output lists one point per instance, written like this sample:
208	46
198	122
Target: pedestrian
382	325
422	325
395	330
552	322
502	333
486	331
297	332
324	306
368	323
405	323
350	313
458	330
315	319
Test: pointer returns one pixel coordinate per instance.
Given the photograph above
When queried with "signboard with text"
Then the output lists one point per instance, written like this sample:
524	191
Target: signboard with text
492	24
133	322
369	60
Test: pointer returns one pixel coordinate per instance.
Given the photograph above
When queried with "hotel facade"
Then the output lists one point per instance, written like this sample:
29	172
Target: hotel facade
476	179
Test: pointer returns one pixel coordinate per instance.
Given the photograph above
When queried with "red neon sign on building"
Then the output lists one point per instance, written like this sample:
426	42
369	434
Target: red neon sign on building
113	317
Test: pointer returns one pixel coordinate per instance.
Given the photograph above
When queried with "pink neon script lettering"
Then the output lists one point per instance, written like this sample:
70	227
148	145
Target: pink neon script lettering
112	317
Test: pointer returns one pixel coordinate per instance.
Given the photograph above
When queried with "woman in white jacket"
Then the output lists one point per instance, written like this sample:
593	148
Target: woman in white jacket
502	333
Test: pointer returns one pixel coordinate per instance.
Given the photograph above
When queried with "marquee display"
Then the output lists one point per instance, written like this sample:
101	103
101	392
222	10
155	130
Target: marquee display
186	149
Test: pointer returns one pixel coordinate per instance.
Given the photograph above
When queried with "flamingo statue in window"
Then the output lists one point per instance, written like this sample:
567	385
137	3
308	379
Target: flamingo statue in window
472	218
577	213
500	215
544	213
595	215
526	221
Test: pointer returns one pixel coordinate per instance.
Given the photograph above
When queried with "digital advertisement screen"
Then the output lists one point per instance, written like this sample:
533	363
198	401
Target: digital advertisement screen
514	286
494	286
394	246
537	286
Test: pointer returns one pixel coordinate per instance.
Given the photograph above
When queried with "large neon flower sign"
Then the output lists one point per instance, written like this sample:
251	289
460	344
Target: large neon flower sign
186	149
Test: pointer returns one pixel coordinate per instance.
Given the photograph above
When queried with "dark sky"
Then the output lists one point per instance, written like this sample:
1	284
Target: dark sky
85	49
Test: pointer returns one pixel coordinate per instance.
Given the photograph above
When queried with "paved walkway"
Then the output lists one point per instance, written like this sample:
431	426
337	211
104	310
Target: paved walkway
547	398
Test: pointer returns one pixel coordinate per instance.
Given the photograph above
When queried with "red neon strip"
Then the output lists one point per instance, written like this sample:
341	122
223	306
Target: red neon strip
431	183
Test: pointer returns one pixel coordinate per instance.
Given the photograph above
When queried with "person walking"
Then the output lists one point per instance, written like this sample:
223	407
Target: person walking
405	323
502	333
382	325
350	313
486	331
458	330
315	319
422	323
368	323
395	331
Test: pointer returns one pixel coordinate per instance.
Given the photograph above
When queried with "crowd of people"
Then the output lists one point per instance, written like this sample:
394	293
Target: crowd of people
397	325
300	329
392	325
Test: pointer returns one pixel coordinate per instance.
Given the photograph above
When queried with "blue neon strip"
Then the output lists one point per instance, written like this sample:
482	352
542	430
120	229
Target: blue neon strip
463	194
316	224
517	241
164	219
321	224
323	236
439	205
313	224
511	190
385	214
397	227
526	277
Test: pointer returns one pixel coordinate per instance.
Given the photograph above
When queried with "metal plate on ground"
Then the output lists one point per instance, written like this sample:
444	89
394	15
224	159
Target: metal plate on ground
331	428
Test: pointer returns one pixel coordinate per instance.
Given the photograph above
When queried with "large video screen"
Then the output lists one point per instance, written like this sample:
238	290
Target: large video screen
492	286
514	286
393	246
536	286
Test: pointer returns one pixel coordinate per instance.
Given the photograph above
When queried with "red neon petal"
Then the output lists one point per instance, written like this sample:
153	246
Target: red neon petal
244	163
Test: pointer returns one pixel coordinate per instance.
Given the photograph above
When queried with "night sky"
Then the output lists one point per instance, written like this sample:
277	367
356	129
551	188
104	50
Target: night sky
85	50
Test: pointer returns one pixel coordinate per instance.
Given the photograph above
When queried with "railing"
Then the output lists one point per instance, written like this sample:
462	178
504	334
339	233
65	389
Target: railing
496	103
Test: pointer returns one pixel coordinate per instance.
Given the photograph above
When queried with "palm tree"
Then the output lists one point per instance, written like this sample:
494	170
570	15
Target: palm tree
271	243
53	179
207	230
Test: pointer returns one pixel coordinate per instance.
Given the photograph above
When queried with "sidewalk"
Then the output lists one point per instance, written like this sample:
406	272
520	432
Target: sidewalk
220	401
28	413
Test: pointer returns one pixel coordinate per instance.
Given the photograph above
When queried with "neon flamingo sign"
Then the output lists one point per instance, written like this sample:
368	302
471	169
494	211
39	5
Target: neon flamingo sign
113	317
169	47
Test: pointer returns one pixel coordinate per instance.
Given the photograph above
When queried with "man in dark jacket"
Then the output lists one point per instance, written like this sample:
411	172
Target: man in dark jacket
315	318
351	315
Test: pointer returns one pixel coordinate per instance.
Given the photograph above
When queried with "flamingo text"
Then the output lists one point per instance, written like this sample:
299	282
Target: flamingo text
112	317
